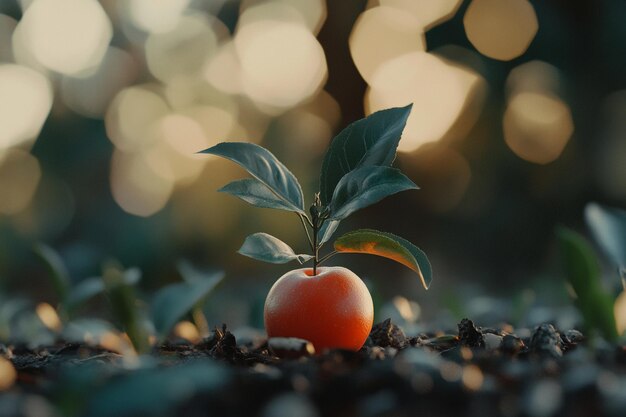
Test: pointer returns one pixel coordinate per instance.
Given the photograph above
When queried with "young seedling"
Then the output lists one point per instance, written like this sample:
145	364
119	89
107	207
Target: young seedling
168	306
329	306
603	312
172	302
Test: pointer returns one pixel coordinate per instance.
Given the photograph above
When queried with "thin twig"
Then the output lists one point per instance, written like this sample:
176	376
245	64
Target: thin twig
327	256
316	249
306	230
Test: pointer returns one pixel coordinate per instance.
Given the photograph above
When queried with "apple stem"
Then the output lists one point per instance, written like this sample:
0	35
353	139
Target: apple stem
316	249
319	214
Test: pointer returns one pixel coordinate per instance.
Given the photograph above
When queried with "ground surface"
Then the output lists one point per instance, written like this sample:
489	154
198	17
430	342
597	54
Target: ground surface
472	372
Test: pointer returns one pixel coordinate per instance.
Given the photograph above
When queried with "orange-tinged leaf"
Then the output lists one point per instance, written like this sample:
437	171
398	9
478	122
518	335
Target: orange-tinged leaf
388	246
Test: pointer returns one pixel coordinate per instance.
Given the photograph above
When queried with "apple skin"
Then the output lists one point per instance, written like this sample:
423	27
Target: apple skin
332	310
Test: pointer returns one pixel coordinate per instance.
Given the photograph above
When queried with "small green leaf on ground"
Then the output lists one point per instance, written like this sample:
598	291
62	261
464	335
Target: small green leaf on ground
370	141
121	293
365	186
190	273
582	270
57	269
267	248
90	287
263	166
172	302
83	291
388	246
608	226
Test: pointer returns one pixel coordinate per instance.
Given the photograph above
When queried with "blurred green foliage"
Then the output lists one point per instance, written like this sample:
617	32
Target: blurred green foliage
582	270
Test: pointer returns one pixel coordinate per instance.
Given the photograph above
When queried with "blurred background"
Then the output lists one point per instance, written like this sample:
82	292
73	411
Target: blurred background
518	121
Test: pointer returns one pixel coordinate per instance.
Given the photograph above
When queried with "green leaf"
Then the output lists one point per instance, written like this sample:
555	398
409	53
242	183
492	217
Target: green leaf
76	330
367	142
608	226
172	302
582	270
83	291
10	308
191	274
267	248
366	186
121	293
56	268
254	192
329	227
90	287
388	246
263	166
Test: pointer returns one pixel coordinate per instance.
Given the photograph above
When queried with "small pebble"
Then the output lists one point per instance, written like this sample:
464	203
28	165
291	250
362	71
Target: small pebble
388	334
572	337
492	341
512	345
290	347
546	341
470	335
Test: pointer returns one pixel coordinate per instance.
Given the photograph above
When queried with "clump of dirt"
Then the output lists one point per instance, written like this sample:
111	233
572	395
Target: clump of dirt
476	372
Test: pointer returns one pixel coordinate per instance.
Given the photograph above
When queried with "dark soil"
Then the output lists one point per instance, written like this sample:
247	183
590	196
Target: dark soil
477	372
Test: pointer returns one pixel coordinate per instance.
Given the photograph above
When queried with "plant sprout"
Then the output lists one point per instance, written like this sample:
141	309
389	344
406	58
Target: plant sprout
356	173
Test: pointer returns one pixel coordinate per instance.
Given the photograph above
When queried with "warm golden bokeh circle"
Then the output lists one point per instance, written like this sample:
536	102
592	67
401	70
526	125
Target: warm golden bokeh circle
501	29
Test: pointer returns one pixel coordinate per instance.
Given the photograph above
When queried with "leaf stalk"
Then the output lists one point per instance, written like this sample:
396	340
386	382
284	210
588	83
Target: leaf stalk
319	214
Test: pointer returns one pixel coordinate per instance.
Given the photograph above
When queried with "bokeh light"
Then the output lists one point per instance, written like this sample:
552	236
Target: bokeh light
187	91
8	374
469	64
223	70
311	13
48	316
501	29
215	122
188	331
7	26
66	36
25	102
310	127
22	54
19	176
282	63
381	34
132	115
438	91
90	96
534	77
136	186
173	154
155	17
116	342
537	126
472	377
429	12
184	49
620	312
